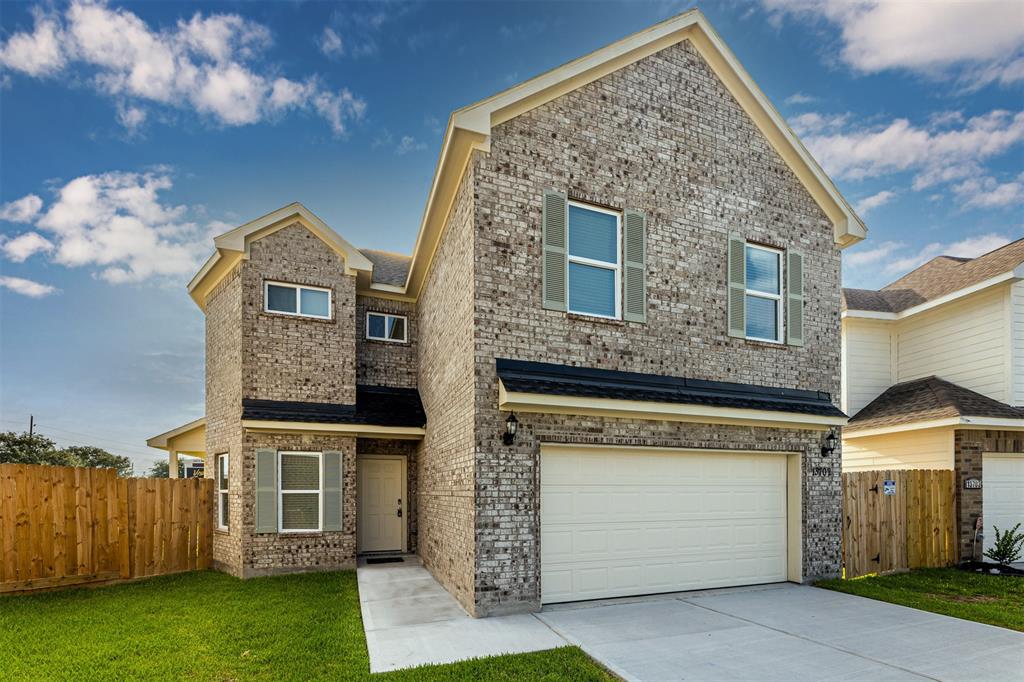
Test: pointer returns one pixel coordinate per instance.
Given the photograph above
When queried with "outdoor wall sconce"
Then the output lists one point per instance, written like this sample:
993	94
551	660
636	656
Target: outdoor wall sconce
511	426
830	445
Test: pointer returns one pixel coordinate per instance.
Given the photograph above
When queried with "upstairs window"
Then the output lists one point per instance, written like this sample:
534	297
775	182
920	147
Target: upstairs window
595	263
387	327
763	293
301	301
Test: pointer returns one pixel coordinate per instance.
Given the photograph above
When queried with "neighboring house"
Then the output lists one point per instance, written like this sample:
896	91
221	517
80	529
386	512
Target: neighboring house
634	254
933	374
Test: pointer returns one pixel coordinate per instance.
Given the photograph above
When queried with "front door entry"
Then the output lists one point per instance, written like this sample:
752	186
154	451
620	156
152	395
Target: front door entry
381	505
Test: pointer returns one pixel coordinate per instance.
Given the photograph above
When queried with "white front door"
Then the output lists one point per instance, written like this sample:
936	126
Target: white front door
381	491
631	521
1002	493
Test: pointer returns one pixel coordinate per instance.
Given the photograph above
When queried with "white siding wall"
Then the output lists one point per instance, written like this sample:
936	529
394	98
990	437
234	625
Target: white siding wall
1017	340
921	449
867	366
965	342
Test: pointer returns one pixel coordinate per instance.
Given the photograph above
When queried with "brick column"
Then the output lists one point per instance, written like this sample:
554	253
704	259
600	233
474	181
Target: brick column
967	449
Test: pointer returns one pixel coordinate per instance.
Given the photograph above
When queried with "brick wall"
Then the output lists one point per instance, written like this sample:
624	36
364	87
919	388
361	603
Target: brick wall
298	358
223	408
665	137
383	363
445	378
968	448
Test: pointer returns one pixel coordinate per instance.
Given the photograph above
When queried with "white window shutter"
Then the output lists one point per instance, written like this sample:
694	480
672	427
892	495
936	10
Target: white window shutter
794	298
333	474
635	268
555	216
736	294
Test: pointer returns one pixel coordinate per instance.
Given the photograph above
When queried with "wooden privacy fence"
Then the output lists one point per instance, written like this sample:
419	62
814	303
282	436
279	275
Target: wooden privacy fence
898	520
70	525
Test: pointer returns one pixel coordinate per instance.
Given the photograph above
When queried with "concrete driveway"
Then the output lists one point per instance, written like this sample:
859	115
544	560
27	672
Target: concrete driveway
784	632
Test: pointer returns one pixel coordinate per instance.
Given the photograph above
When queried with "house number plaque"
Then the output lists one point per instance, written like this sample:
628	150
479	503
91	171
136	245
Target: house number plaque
821	471
972	483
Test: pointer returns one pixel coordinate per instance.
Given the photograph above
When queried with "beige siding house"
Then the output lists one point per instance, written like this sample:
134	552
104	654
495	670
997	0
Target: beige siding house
610	366
933	377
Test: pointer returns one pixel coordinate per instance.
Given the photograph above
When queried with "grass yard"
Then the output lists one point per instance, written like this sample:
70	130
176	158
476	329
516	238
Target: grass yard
984	598
210	626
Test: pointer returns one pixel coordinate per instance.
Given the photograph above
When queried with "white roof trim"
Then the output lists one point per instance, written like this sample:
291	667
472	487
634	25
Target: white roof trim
367	430
996	423
1014	275
160	441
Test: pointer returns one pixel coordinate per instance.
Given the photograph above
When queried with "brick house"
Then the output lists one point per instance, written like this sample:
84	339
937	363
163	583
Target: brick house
634	256
933	374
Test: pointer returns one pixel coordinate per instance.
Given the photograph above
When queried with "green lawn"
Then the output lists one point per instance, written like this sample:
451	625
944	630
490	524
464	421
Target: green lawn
210	626
988	599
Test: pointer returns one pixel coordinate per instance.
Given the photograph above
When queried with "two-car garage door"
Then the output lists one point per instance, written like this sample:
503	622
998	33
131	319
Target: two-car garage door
619	522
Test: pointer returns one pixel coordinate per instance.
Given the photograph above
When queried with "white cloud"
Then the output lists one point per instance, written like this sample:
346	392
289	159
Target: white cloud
798	98
868	204
38	53
812	123
22	210
972	247
891	260
210	64
975	42
117	224
933	155
24	246
409	144
987	192
27	287
331	43
876	254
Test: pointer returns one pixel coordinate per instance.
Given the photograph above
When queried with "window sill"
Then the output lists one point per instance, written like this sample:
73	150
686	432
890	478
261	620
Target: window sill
222	531
385	342
766	344
299	534
298	318
583	317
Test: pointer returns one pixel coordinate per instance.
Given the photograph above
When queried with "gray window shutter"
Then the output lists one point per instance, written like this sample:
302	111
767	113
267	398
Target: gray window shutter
634	267
737	290
266	490
794	298
332	481
555	217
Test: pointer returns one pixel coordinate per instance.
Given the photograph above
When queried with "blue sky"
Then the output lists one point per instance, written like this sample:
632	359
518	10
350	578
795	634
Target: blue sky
130	133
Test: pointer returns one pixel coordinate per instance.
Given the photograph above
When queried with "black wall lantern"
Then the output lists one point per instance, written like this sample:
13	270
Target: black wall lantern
511	426
830	444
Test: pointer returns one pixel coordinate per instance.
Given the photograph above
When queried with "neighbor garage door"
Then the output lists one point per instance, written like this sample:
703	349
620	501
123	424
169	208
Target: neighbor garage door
1002	489
619	522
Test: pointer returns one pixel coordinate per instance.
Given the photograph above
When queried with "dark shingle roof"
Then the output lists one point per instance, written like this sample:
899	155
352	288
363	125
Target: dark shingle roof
539	377
927	399
376	405
940	276
388	268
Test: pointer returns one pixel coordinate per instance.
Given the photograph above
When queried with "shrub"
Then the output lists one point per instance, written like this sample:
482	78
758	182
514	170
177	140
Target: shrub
1007	547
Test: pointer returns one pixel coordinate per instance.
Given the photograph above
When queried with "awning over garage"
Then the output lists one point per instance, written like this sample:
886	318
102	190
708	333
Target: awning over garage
545	387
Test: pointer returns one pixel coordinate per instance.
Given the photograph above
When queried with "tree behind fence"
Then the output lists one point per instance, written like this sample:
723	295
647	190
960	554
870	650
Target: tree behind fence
67	525
915	527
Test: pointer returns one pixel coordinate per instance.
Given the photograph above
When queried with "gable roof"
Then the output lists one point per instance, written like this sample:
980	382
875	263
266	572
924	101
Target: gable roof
389	269
469	128
926	400
233	246
941	276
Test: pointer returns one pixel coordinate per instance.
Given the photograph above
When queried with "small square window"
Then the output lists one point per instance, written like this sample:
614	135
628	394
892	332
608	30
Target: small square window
386	327
301	301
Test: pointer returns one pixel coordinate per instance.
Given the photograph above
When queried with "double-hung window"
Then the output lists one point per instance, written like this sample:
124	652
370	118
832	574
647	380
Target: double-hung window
300	490
223	511
386	327
595	261
294	299
764	293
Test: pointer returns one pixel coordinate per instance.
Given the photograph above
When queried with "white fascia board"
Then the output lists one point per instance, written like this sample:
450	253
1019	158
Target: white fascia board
366	430
994	423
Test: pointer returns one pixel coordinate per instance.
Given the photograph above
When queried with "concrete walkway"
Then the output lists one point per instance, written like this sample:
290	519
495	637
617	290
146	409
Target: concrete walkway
785	632
410	620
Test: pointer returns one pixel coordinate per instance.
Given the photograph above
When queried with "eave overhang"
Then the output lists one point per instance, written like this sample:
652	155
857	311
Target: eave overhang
191	435
987	423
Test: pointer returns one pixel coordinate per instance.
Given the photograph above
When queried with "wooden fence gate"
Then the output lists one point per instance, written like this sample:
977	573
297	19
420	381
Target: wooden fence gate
71	525
898	520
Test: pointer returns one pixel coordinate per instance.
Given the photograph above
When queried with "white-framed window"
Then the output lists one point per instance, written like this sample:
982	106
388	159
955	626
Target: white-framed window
298	300
595	261
387	327
299	492
223	511
764	301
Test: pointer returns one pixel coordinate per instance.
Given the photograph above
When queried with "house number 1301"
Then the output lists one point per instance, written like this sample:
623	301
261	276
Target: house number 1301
821	471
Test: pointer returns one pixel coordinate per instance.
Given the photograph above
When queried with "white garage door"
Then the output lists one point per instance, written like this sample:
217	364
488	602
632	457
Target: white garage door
619	522
1002	489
